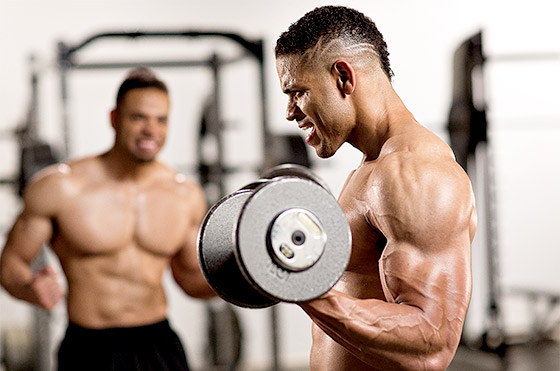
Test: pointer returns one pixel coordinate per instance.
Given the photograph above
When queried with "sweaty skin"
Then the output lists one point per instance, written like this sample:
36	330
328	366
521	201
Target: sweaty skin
116	222
402	300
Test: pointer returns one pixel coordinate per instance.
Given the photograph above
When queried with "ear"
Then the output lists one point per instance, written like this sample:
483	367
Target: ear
114	118
345	76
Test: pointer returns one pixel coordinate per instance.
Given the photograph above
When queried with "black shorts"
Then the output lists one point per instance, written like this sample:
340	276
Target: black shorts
145	348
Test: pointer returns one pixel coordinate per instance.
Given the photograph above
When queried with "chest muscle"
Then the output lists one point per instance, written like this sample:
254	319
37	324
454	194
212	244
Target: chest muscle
104	220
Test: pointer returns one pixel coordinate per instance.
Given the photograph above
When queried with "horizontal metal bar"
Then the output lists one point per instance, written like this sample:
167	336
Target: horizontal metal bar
521	57
9	181
254	47
155	64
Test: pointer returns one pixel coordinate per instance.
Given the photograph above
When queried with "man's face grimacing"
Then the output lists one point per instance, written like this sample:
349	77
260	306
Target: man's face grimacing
140	123
315	103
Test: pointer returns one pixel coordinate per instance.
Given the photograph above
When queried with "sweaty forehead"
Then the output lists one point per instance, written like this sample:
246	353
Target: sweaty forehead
290	70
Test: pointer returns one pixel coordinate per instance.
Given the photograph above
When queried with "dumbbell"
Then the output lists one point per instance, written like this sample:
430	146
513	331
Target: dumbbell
282	237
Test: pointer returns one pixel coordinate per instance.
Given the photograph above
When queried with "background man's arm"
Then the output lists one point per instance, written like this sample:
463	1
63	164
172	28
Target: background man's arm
31	230
184	265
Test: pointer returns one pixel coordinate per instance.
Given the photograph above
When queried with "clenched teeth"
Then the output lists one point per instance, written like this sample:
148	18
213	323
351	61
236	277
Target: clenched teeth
305	126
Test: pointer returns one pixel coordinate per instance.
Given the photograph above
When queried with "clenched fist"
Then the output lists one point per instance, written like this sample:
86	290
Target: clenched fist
46	288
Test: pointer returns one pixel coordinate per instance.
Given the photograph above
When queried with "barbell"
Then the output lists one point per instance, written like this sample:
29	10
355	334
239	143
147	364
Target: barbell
282	237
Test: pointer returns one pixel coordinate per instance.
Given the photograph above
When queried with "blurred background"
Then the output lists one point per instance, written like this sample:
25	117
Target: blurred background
482	75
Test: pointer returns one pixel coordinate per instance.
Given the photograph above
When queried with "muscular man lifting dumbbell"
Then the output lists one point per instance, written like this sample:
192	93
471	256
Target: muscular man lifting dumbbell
403	298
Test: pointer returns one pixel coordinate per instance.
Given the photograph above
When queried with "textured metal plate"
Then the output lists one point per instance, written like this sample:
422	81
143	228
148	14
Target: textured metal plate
293	170
253	255
296	239
216	256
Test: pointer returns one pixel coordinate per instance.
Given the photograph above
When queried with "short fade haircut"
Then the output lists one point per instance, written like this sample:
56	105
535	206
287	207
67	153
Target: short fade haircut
140	77
329	23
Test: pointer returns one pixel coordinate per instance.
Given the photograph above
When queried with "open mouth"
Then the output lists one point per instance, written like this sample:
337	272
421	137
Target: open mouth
147	145
309	128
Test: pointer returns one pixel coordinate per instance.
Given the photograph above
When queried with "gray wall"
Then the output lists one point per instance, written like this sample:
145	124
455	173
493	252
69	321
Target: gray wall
522	102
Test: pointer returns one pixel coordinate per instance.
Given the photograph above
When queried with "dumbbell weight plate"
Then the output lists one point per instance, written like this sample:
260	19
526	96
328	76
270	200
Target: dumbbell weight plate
216	256
293	170
256	258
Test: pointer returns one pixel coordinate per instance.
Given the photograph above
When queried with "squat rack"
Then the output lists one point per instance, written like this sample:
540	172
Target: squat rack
468	130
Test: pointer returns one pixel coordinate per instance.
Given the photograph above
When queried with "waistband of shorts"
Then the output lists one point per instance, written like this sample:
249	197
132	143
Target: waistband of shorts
152	328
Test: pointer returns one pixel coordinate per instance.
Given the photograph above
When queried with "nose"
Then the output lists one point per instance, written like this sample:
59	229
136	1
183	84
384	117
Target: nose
150	128
293	112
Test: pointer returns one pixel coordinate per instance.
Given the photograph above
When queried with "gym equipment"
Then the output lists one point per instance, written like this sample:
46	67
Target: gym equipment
68	60
34	156
286	149
34	153
469	139
225	343
278	149
293	170
468	131
282	238
467	123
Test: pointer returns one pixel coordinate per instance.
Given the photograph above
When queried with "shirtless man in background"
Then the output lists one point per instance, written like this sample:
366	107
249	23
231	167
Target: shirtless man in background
402	301
116	222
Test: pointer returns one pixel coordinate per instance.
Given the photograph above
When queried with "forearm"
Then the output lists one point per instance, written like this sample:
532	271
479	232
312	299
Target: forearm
192	282
384	335
16	277
197	288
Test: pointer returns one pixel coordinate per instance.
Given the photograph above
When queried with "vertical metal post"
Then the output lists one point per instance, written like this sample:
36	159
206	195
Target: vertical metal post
266	134
64	65
41	327
32	125
275	341
217	171
493	338
41	331
41	318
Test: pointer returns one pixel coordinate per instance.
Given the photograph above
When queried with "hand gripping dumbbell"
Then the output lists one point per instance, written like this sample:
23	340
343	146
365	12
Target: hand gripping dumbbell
281	238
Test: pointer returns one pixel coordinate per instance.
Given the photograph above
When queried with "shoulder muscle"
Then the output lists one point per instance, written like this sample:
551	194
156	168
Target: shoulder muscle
423	199
46	191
